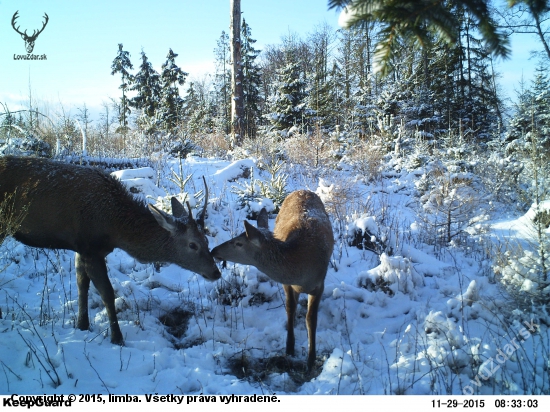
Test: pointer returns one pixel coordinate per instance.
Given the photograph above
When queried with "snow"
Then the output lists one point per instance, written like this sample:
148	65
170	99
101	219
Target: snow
233	170
140	180
411	322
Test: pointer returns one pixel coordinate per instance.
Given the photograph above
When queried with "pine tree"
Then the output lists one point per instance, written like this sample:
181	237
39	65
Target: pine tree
170	101
360	86
288	106
147	86
531	122
9	127
222	85
541	118
83	119
417	21
320	89
121	64
480	103
197	109
251	81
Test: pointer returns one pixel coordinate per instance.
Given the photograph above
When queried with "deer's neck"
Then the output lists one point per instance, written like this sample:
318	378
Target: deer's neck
278	261
142	237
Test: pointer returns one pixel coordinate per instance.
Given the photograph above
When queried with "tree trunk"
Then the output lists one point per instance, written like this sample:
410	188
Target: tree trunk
237	109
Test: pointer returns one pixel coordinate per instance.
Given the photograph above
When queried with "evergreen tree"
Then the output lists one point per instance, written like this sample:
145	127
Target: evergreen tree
147	86
170	107
121	64
251	81
222	85
338	101
320	90
198	109
531	122
541	115
480	113
360	86
417	21
9	127
83	117
288	106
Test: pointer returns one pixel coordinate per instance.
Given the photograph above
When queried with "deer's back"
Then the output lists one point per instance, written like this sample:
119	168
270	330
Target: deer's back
303	225
65	206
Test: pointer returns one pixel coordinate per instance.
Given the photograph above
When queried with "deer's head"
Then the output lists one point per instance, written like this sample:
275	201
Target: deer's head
29	40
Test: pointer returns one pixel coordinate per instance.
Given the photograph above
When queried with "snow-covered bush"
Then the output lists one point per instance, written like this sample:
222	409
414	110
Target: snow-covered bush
27	146
394	274
500	175
524	270
364	233
310	150
449	205
256	194
365	157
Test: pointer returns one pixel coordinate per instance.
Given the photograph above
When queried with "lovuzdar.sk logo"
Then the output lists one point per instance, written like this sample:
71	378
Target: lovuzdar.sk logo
29	39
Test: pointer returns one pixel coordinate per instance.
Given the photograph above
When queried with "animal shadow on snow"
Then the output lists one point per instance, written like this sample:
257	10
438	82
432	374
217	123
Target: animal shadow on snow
258	370
243	364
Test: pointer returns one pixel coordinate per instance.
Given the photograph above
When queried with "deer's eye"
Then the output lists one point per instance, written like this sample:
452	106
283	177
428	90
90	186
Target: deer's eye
193	245
238	244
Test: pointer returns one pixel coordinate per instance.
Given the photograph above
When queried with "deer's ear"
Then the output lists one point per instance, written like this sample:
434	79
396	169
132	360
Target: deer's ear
177	209
252	234
165	221
262	220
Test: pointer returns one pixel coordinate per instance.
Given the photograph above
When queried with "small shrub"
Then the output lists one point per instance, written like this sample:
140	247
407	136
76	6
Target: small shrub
10	218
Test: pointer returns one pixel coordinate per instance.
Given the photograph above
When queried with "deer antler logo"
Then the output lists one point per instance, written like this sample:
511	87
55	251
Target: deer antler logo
29	40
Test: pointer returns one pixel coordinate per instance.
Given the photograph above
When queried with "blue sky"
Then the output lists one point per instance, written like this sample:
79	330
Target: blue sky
81	41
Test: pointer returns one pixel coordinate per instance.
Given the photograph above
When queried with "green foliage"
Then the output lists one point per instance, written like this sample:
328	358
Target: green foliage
222	85
275	188
418	21
288	106
251	82
531	122
121	64
252	194
170	106
11	126
198	109
147	85
248	193
524	269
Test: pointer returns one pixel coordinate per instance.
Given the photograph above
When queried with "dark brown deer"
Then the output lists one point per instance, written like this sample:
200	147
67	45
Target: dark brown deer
296	254
29	40
90	212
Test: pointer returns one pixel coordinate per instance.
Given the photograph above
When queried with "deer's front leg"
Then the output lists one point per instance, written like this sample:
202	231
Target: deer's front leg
96	270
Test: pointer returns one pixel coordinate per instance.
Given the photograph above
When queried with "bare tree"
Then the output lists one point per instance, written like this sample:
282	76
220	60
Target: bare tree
527	17
237	109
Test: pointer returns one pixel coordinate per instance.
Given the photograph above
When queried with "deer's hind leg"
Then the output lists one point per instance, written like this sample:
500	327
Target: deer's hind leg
83	284
291	304
311	324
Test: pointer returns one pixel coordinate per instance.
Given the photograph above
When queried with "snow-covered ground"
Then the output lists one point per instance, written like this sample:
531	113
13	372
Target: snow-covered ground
413	320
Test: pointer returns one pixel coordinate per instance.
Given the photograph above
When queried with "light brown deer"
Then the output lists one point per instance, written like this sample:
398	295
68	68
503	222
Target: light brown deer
90	212
296	254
